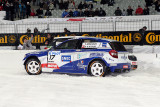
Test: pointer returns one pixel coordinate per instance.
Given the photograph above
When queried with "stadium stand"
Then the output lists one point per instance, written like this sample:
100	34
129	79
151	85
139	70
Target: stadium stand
20	9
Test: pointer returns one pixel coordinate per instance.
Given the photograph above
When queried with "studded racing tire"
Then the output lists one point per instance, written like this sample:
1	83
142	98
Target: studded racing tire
33	67
97	68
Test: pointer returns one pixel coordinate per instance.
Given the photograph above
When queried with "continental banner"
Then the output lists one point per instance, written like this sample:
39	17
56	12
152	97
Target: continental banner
127	38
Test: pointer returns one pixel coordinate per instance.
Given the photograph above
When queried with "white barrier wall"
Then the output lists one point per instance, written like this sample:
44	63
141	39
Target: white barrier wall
86	24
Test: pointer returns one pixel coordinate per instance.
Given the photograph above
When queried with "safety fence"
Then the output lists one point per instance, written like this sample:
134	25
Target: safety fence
82	26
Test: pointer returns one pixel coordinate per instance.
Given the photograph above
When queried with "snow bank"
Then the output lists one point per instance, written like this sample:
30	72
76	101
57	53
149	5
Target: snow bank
139	88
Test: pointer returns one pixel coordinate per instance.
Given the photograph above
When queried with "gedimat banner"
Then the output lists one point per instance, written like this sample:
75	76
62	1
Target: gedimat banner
127	37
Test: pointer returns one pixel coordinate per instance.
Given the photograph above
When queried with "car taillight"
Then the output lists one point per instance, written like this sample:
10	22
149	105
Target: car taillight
113	53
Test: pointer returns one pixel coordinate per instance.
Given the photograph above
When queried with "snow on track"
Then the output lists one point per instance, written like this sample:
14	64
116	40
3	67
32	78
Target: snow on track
139	88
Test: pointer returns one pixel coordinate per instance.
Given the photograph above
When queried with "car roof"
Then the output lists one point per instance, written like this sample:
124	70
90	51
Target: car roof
85	37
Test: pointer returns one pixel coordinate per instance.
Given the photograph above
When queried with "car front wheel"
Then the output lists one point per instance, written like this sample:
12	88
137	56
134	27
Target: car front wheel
33	67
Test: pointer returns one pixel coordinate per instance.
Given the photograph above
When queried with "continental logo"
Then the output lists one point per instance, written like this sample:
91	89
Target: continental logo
12	39
37	39
151	38
3	40
137	37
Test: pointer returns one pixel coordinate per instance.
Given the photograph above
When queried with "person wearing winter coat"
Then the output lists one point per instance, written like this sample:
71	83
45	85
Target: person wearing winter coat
146	11
130	11
86	12
28	9
22	8
27	45
118	12
102	12
51	6
139	11
76	13
81	13
48	13
65	14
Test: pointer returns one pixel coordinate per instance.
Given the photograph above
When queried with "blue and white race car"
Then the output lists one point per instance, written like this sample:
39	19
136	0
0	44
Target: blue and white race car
85	55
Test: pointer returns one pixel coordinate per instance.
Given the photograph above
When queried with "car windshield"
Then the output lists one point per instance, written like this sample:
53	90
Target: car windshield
117	46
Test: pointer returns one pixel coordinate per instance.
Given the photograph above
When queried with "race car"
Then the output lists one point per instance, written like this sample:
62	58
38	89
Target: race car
85	55
133	61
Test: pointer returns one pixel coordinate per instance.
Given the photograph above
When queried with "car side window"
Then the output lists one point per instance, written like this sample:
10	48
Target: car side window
71	44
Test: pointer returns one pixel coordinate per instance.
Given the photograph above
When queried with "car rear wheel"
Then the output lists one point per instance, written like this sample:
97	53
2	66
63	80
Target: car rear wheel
33	67
97	68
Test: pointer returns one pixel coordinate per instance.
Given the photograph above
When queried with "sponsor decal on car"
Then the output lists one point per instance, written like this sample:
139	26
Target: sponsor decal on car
104	44
50	65
81	55
125	66
96	55
66	58
53	65
80	64
52	54
134	63
91	45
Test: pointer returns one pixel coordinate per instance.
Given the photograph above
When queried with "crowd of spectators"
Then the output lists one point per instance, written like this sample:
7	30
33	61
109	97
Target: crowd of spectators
129	11
22	8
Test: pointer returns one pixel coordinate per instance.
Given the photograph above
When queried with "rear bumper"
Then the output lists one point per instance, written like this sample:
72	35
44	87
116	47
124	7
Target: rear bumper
121	67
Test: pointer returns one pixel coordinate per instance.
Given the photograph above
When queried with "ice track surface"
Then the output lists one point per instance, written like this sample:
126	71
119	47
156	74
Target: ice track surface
140	88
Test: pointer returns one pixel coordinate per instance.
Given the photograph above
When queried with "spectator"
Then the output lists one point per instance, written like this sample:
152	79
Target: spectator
22	8
45	6
28	9
103	2
41	4
81	13
48	13
118	12
90	6
40	12
12	11
55	3
124	12
34	2
96	13
61	6
71	4
65	14
16	5
86	12
66	30
28	30
149	2
51	6
76	13
49	40
146	11
71	13
130	11
142	31
91	13
85	5
36	31
32	13
7	9
80	6
157	5
27	45
102	12
139	11
65	4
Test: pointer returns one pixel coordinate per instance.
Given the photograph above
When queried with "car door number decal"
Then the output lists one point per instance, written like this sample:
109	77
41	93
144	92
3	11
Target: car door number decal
52	55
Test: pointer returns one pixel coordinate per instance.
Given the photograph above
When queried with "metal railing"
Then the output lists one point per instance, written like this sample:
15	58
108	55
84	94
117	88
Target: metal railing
91	26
